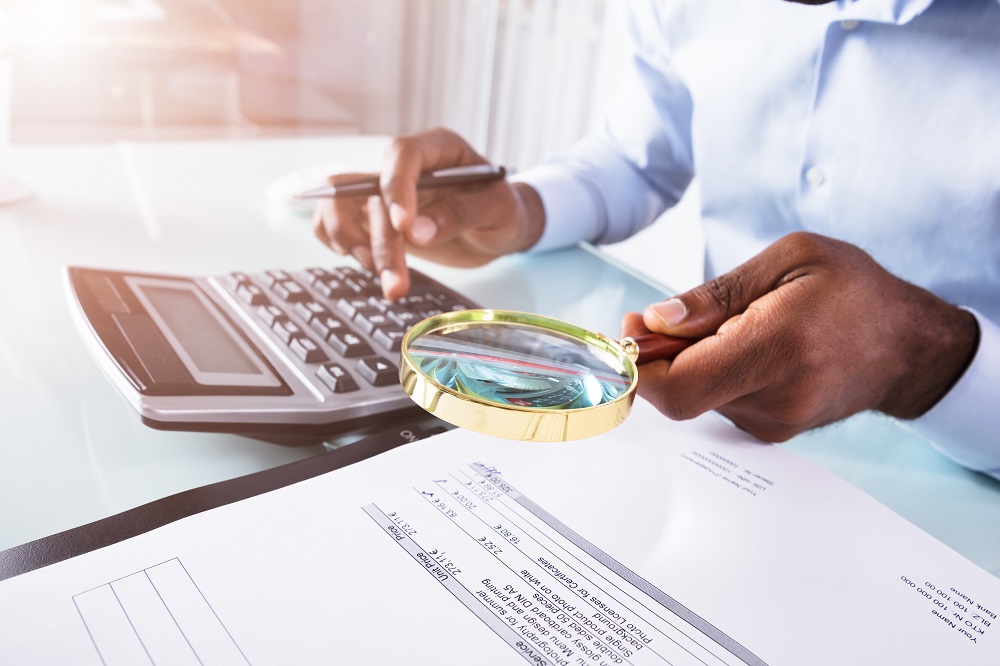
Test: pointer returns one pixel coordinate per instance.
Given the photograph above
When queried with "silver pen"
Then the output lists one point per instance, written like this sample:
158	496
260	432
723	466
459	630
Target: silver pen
368	185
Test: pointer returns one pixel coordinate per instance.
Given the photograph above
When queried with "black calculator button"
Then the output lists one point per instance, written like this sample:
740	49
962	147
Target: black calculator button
354	306
309	310
270	314
314	275
349	345
239	277
307	350
273	277
403	316
331	288
389	339
378	371
378	303
328	325
336	378
346	272
286	330
369	322
291	291
357	285
251	294
412	302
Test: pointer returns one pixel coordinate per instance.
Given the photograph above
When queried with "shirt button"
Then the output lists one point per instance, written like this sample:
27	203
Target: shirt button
815	176
850	24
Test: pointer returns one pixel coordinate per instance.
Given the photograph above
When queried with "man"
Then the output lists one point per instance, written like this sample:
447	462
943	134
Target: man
849	163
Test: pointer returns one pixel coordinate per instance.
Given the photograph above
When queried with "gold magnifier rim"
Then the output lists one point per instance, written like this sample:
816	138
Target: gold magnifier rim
534	424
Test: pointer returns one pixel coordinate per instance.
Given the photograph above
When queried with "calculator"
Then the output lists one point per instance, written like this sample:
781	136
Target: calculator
280	352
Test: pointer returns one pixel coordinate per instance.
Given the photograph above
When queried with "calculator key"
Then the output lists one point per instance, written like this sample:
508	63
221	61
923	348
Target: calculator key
356	285
307	350
336	378
251	294
270	314
345	272
328	325
239	277
413	301
403	316
290	290
389	339
368	322
286	330
314	275
273	277
379	303
331	288
349	345
353	306
378	371
309	310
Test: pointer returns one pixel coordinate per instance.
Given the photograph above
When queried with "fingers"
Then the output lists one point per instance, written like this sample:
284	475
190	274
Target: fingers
341	224
388	252
702	310
406	158
714	372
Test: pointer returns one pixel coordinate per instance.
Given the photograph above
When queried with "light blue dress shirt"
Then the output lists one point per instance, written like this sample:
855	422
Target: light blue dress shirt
873	121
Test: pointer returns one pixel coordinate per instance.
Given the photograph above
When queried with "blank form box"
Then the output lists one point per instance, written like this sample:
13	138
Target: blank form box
194	616
109	627
156	628
156	616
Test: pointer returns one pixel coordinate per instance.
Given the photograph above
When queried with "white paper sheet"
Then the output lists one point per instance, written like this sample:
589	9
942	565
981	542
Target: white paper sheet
658	543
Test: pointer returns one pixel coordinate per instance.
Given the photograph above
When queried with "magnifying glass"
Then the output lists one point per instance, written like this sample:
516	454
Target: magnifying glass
524	376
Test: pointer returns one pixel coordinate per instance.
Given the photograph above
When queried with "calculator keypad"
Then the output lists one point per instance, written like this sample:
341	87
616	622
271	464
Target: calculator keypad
336	323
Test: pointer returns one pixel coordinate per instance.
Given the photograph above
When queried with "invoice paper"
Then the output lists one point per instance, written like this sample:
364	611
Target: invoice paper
658	543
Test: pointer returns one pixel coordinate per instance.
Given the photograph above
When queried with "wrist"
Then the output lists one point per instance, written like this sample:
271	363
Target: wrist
938	356
532	214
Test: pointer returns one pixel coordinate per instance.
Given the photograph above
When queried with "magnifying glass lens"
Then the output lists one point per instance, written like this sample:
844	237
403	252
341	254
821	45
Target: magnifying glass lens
520	366
517	375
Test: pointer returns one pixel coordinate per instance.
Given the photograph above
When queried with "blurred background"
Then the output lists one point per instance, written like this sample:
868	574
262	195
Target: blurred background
521	79
515	76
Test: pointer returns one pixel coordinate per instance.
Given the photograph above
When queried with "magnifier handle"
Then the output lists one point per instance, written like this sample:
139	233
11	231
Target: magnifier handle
655	346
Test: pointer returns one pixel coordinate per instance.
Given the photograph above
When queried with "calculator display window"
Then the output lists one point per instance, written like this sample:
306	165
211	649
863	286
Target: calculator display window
206	343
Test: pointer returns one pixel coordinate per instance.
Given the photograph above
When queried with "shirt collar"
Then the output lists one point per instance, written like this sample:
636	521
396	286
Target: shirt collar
896	12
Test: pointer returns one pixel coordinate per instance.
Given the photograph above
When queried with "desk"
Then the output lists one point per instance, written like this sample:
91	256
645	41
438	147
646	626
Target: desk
73	451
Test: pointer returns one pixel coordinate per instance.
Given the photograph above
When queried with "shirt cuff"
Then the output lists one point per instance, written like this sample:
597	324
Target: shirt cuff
965	423
571	215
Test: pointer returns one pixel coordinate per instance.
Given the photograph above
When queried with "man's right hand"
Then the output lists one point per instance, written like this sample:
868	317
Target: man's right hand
462	225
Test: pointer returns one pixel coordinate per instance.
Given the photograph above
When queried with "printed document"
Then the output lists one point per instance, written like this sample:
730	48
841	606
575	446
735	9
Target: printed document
657	543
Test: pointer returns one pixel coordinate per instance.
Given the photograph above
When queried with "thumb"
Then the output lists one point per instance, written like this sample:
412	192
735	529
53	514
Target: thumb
701	311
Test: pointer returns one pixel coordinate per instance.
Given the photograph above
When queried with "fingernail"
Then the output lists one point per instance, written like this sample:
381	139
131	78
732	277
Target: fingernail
423	230
397	214
671	312
363	255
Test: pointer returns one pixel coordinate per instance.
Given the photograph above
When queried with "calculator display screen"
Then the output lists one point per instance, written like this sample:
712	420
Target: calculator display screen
208	345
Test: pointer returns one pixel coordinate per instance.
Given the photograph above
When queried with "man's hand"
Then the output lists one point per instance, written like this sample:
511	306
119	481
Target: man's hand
808	332
463	225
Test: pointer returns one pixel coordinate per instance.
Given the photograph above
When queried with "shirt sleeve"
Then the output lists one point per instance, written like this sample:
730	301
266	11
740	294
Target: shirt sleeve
635	163
965	423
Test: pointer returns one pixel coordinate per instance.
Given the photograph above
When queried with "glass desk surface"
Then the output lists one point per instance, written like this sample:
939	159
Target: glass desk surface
73	451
